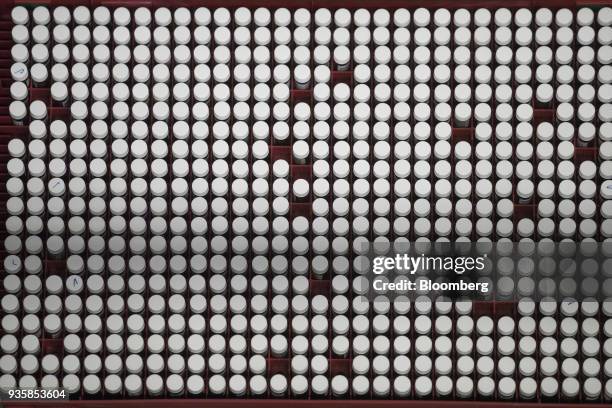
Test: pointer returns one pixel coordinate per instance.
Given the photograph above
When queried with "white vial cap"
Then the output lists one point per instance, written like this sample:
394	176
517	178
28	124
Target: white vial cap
543	17
142	16
17	110
604	16
20	15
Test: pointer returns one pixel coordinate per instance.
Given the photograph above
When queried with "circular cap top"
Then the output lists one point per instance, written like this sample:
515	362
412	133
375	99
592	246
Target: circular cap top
482	17
401	17
42	15
604	16
461	17
543	17
20	15
442	17
17	110
19	71
20	34
421	17
142	16
339	384
564	17
163	16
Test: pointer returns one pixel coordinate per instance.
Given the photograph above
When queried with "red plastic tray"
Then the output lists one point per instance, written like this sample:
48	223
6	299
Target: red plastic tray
8	131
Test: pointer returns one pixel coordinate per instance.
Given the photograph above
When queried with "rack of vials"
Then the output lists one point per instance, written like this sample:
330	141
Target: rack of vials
184	192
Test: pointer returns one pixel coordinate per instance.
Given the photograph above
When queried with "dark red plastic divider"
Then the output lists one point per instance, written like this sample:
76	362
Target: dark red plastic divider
553	3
